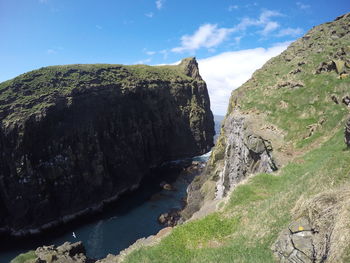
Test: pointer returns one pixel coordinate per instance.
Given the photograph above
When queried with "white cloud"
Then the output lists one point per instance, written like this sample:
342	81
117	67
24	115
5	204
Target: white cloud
150	14
233	7
302	6
227	71
269	27
263	20
208	36
150	53
267	14
144	61
293	32
159	4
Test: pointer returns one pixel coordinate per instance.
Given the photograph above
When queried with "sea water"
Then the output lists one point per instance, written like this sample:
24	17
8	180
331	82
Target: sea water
132	217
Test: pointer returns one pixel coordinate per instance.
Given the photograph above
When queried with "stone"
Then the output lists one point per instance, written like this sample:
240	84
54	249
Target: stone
66	253
300	225
166	186
326	67
343	76
162	219
295	244
170	218
339	65
302	242
347	133
334	99
346	100
295	71
289	84
320	231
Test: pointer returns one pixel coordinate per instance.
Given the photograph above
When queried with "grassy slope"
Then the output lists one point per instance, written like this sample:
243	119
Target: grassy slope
28	257
256	212
246	227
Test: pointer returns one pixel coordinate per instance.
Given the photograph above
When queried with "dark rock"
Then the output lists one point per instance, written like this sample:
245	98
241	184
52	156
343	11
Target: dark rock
326	67
166	186
190	67
295	71
346	100
347	133
76	149
66	253
162	219
170	219
290	84
335	99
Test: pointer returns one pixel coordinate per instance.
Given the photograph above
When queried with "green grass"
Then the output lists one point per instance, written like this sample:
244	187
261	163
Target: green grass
247	225
255	213
32	91
28	257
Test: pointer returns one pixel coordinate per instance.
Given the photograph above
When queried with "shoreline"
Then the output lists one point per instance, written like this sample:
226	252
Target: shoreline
89	211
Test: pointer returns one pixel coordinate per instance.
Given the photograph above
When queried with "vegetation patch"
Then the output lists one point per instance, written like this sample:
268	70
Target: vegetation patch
28	257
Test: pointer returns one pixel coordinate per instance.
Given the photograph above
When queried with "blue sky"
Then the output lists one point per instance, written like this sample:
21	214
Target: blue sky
221	33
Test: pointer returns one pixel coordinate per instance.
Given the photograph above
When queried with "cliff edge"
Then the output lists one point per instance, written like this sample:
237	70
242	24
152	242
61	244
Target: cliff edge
75	137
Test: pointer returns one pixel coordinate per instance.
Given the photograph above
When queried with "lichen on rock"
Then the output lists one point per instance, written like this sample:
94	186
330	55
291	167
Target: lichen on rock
245	153
319	232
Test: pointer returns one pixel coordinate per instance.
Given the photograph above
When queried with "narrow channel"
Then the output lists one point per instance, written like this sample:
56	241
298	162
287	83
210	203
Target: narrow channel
132	217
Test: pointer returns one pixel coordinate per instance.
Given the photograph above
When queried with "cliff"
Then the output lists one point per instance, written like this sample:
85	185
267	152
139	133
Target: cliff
276	187
75	137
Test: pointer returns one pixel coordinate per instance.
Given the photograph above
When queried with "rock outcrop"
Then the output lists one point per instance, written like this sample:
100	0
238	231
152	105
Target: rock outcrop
66	253
75	137
319	233
286	109
244	153
347	133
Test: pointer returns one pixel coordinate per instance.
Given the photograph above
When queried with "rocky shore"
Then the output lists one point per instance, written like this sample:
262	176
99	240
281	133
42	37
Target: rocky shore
76	252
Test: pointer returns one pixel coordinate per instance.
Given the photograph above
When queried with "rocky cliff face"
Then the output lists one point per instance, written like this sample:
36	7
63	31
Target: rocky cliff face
244	153
75	137
262	125
292	105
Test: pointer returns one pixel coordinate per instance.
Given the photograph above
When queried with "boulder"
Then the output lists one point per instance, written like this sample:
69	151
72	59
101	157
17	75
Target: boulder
66	253
320	231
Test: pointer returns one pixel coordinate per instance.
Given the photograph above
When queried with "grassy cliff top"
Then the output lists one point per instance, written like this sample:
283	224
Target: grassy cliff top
35	90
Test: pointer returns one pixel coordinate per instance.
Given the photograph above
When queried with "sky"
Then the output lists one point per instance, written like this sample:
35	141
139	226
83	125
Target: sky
229	38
